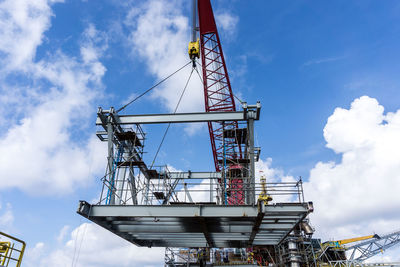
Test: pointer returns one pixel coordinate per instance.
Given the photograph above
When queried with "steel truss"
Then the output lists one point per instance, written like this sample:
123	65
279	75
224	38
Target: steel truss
226	137
367	249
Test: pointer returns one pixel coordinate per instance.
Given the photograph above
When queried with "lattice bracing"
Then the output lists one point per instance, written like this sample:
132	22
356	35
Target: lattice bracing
367	249
218	97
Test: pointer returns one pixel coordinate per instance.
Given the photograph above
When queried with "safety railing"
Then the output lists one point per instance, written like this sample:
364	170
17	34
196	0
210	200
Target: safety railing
11	250
208	256
167	187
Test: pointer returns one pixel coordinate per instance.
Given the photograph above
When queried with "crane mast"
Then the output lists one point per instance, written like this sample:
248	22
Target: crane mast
227	139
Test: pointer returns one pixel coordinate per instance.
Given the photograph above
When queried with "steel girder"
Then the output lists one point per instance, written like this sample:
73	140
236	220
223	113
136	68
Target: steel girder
176	118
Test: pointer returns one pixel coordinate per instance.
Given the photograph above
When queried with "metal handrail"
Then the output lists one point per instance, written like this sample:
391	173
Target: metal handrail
21	251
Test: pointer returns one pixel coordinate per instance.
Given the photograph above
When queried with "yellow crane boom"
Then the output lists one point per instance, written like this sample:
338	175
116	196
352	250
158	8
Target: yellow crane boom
340	243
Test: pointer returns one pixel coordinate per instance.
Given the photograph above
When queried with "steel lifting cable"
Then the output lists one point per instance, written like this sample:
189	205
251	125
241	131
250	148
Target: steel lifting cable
198	74
151	88
80	245
169	124
75	243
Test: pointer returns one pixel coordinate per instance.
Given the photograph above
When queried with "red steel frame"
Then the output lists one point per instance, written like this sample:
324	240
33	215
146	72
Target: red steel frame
218	96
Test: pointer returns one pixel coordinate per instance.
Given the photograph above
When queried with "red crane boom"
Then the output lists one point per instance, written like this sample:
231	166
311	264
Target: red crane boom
218	96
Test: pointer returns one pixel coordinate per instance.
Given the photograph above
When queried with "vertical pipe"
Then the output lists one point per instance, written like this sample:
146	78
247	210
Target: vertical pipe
298	190
224	167
110	156
132	182
194	20
302	191
250	127
121	185
211	190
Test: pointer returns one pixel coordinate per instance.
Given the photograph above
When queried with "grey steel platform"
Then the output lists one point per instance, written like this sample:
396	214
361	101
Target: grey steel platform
198	225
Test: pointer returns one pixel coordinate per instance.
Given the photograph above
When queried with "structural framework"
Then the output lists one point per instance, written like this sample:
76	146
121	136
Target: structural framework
156	207
213	217
223	208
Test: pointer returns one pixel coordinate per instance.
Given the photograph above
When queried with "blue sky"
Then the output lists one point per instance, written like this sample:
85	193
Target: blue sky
326	74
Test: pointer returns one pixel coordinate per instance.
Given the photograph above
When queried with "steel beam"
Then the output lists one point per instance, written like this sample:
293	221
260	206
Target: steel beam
188	210
181	229
256	227
177	118
206	233
286	208
194	175
166	211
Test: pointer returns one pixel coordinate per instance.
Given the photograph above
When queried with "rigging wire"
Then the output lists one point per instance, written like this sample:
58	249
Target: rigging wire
77	250
80	245
151	88
199	76
169	124
75	243
241	102
107	173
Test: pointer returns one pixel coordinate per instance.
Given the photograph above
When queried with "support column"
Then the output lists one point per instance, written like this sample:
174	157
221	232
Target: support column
132	182
250	132
110	136
211	190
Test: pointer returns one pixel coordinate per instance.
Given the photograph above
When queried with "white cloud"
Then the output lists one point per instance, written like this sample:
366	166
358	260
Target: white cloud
6	217
94	44
42	141
274	175
359	194
263	167
162	44
198	191
51	104
390	255
226	23
34	254
91	246
63	233
22	25
322	60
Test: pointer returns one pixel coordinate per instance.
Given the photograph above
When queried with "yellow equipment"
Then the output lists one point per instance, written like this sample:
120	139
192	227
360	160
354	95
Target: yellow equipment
264	196
339	243
194	49
4	249
11	251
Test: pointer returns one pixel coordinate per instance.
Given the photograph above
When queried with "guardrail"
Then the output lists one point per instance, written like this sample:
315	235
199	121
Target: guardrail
168	187
11	250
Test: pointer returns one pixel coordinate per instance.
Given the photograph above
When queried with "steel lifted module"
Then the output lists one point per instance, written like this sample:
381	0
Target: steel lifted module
147	207
221	216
